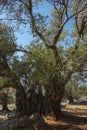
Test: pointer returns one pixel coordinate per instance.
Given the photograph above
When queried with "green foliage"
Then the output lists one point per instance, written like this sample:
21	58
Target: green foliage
41	63
10	94
7	41
73	89
77	91
7	50
83	91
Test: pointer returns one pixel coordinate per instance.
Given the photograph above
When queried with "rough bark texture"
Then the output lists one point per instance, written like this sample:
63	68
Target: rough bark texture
56	109
39	103
28	105
52	99
21	104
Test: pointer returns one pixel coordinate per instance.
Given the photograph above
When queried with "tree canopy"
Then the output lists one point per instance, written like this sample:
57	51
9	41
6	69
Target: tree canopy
45	61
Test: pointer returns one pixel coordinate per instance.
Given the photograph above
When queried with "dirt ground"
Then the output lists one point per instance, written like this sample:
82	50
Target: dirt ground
75	119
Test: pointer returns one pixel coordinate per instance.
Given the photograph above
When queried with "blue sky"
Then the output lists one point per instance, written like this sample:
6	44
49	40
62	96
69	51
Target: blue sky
24	37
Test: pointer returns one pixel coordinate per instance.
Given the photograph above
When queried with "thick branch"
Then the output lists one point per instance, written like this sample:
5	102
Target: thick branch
34	27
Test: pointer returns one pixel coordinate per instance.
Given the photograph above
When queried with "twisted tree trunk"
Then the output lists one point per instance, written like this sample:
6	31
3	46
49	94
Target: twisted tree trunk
22	103
56	104
58	92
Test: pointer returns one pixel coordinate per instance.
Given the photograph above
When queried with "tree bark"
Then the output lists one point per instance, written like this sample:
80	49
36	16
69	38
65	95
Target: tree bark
57	109
4	102
26	106
22	104
70	98
56	96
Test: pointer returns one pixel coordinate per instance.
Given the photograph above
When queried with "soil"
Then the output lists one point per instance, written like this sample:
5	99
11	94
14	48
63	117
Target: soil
75	118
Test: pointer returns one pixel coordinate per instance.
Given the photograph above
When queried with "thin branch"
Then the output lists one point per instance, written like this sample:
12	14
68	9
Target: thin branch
77	23
66	11
73	16
25	21
56	37
22	50
14	50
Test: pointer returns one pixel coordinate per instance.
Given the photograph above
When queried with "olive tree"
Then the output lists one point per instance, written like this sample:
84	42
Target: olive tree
10	74
49	30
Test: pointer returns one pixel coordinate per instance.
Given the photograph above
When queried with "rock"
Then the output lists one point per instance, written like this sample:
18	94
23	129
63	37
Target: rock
63	105
1	127
13	124
35	116
25	123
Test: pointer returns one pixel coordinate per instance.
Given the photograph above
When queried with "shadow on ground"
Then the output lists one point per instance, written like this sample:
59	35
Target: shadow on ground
69	122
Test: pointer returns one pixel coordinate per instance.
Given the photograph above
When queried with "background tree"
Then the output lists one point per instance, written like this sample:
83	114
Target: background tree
72	91
4	100
8	73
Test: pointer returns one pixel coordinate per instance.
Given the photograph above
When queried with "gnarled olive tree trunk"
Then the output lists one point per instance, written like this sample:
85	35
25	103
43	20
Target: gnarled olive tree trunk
57	84
56	97
38	103
22	103
28	105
